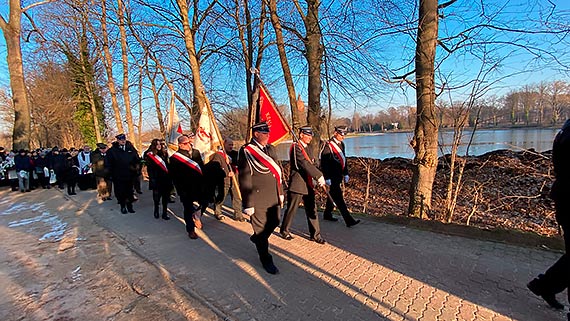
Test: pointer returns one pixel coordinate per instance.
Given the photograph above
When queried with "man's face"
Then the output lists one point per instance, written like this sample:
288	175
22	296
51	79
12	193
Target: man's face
184	143
228	145
338	136
306	138
103	150
86	149
122	142
261	138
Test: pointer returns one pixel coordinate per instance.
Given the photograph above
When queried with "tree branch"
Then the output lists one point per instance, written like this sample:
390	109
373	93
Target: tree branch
36	4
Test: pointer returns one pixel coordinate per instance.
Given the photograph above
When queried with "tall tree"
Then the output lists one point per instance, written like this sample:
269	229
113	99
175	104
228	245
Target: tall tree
424	141
125	61
12	30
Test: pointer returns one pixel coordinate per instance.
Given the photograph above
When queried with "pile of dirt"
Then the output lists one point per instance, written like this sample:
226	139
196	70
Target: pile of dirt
500	189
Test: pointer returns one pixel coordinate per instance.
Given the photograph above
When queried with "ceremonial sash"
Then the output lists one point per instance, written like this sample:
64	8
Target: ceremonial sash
254	154
182	158
158	161
338	153
309	177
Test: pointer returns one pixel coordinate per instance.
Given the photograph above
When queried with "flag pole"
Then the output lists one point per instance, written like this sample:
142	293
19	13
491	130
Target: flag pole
295	138
219	134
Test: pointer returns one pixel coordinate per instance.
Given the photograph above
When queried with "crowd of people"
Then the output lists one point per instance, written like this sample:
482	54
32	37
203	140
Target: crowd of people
261	191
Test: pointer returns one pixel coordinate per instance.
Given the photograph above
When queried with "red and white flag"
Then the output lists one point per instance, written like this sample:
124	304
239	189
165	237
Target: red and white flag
173	128
268	112
207	140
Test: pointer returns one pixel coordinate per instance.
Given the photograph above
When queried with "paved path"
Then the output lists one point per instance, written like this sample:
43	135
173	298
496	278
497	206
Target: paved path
373	271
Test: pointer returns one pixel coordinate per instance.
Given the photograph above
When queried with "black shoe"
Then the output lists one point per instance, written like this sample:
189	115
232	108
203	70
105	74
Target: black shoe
352	223
109	198
139	192
130	209
330	218
534	287
124	210
270	267
156	215
286	236
165	217
320	240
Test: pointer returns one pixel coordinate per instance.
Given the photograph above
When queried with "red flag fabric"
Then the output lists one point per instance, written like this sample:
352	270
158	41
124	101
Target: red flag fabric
268	112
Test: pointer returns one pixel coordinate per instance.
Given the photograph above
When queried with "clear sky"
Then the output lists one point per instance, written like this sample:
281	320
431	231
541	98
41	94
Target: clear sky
522	66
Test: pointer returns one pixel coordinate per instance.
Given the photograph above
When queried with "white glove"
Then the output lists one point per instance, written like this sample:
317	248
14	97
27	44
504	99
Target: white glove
328	182
249	211
282	199
346	177
321	181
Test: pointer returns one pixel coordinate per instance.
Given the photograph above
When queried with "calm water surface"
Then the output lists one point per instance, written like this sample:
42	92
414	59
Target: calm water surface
389	145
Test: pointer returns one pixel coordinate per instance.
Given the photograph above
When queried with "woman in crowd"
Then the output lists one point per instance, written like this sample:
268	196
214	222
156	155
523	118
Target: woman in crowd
156	159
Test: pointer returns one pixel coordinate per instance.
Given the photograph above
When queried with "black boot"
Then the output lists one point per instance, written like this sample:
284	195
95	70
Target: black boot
123	209
165	213
130	208
156	215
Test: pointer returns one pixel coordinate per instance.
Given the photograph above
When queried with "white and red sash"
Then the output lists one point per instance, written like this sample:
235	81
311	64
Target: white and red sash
192	164
263	162
337	151
158	161
304	152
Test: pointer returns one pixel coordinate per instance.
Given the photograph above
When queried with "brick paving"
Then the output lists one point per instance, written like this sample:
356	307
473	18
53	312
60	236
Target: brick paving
373	271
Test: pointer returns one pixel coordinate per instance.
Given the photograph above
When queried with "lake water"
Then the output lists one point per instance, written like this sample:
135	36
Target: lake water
387	145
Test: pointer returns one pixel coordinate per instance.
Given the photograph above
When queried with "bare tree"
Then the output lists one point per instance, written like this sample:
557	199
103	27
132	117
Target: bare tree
12	29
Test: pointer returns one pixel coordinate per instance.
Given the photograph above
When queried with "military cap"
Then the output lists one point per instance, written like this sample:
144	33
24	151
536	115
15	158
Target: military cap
307	130
261	127
101	145
341	130
121	136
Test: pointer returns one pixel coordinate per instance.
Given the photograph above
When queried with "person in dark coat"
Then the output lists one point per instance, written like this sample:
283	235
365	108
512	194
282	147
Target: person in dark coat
101	173
122	161
260	183
24	168
302	186
42	170
335	171
159	181
86	178
57	163
227	161
557	278
215	172
185	169
71	170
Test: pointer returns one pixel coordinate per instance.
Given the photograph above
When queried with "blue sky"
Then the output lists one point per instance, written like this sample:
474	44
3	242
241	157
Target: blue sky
458	68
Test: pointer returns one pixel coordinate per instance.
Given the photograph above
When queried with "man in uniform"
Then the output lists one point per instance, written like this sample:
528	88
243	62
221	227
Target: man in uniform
335	170
121	162
261	189
185	168
557	278
301	186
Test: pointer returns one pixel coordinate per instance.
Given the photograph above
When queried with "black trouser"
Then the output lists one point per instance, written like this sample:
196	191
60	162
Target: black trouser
124	191
228	188
264	221
293	200
157	196
336	194
557	278
189	209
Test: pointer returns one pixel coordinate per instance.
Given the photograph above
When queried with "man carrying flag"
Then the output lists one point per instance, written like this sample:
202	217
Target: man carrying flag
185	169
260	181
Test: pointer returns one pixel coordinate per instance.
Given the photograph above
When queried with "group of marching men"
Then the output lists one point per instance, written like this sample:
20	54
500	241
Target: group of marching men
259	175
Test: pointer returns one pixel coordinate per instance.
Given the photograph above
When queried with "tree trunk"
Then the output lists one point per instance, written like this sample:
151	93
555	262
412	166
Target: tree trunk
125	60
22	116
285	65
199	99
424	141
108	63
314	56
